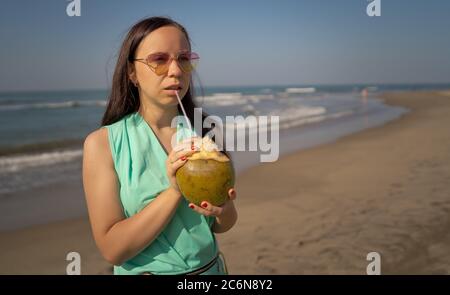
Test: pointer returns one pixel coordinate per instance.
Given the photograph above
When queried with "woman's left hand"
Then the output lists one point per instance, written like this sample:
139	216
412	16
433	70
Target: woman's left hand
208	209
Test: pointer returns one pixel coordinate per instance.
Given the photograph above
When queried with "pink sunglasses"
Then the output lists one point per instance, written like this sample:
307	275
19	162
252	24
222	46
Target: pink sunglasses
159	62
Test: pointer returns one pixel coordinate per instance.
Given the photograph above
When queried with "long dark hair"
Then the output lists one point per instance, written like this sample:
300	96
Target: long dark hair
124	96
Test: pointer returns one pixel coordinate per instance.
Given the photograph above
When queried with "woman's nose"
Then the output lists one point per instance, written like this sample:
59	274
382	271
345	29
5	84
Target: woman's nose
174	69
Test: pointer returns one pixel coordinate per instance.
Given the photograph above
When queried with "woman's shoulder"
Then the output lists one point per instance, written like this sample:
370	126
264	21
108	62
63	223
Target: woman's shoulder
96	149
97	141
99	135
108	138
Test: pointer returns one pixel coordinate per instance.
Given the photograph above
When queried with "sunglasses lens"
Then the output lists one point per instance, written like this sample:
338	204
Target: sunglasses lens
188	62
158	59
160	62
162	69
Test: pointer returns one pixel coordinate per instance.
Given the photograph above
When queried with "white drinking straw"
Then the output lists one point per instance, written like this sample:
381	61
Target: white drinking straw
184	112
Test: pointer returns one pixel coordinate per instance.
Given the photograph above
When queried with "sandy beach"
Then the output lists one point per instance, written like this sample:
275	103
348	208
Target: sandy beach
316	211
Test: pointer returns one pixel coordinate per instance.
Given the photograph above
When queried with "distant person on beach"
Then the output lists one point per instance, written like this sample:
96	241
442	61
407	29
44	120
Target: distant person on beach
140	221
364	93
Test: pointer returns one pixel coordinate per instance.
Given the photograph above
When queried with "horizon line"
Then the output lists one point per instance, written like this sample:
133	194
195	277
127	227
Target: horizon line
237	86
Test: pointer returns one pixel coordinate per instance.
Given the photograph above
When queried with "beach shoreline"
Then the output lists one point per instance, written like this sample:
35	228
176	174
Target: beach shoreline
325	208
383	190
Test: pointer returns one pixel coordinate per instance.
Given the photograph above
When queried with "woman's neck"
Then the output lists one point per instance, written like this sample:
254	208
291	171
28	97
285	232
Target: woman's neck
157	116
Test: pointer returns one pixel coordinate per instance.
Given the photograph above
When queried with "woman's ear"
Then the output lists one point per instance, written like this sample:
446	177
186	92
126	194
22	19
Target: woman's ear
132	74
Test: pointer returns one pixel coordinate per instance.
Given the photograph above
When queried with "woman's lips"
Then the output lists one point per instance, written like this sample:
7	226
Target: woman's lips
171	91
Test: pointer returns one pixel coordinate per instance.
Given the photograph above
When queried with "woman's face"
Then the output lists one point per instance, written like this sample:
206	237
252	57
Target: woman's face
166	39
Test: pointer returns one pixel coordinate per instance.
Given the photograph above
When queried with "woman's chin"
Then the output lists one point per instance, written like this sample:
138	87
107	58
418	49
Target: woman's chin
170	100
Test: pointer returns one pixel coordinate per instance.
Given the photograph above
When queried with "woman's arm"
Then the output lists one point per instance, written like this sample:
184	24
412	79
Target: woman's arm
117	237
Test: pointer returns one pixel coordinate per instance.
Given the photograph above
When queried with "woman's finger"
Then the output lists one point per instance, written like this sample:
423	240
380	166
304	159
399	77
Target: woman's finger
209	210
232	194
187	144
200	210
177	164
216	211
178	155
180	147
190	141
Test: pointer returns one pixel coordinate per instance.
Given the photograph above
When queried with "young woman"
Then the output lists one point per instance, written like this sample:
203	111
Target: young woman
140	221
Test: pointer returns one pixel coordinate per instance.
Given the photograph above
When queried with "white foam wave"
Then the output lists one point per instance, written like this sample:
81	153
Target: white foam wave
17	163
53	105
233	98
289	118
300	90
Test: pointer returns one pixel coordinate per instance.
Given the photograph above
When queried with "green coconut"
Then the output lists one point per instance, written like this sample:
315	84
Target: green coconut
206	176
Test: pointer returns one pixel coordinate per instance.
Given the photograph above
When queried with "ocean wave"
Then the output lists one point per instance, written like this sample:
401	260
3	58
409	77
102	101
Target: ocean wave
15	163
266	90
233	98
53	105
218	98
300	90
41	147
289	118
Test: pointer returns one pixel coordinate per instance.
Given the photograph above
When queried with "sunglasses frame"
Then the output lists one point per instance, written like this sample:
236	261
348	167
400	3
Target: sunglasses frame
169	61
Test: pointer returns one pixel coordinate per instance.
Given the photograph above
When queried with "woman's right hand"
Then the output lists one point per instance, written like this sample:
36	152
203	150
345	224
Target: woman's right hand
177	158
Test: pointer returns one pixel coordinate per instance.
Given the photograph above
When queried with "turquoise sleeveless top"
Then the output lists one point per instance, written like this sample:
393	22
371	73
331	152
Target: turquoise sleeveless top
187	242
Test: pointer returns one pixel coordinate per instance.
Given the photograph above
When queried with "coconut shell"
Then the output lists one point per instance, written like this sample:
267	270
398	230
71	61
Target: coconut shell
205	180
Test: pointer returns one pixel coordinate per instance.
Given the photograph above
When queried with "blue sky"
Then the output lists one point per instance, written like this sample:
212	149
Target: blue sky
240	42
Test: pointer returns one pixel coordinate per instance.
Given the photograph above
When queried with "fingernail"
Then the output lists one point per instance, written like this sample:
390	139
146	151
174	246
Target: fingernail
204	205
183	158
191	206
